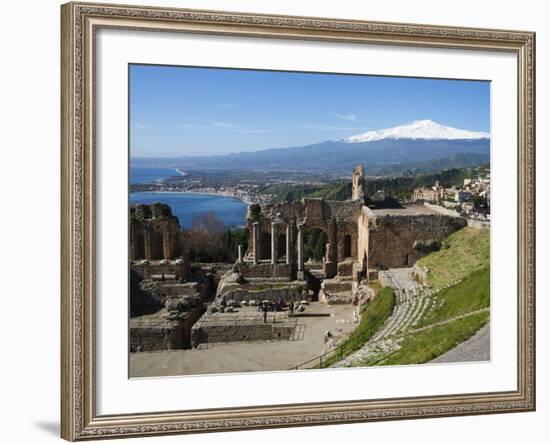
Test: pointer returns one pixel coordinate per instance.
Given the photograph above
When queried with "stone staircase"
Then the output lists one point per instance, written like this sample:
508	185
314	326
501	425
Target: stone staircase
412	305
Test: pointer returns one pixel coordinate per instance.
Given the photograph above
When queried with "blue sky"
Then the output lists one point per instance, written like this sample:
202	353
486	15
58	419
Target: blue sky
177	111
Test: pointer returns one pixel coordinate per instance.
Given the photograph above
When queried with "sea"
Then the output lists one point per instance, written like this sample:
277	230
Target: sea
187	205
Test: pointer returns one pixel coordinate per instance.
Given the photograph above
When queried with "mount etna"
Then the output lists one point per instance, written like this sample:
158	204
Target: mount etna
419	147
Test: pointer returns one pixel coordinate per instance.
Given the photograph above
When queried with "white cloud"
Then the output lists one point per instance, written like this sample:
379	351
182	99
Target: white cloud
347	117
224	125
192	126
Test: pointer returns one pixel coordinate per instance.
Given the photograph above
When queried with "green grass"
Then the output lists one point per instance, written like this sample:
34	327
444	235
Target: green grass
338	191
426	345
464	252
465	258
471	294
372	318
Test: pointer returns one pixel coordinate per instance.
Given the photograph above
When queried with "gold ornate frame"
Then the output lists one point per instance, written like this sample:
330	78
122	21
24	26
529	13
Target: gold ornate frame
80	21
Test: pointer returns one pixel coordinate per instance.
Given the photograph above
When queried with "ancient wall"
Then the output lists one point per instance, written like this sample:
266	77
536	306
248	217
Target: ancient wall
160	334
267	270
441	210
156	336
155	233
287	293
221	331
160	270
273	223
391	238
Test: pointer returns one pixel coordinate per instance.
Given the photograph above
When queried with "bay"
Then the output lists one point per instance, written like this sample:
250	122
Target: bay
186	205
150	175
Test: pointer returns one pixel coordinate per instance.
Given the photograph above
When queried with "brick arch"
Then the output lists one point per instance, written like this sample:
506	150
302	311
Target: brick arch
157	245
139	245
265	245
347	246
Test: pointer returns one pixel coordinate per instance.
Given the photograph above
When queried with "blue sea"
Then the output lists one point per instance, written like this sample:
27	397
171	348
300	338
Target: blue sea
186	206
150	175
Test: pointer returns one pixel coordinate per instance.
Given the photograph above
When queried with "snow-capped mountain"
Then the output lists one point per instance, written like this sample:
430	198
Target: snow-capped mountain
422	146
420	129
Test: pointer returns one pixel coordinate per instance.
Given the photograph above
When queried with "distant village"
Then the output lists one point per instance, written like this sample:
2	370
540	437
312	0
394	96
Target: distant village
472	199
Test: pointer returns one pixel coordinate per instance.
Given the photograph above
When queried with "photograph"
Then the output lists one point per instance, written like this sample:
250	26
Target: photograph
293	221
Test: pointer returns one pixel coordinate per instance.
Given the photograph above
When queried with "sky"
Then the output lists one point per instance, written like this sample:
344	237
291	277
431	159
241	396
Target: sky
180	111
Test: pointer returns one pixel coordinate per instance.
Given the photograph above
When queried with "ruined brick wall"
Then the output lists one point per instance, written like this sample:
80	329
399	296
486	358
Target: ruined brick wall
267	270
292	292
225	333
156	337
160	334
173	270
338	219
391	238
154	233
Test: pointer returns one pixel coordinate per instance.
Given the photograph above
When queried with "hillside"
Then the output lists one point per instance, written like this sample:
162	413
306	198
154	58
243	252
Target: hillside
395	156
432	321
463	252
398	187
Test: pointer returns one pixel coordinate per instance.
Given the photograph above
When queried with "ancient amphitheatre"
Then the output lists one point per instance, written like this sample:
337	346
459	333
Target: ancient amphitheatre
402	284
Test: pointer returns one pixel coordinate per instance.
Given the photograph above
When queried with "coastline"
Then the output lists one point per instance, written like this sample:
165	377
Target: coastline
222	194
182	173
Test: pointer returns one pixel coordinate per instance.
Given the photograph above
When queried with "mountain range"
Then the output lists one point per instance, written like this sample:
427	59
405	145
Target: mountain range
418	147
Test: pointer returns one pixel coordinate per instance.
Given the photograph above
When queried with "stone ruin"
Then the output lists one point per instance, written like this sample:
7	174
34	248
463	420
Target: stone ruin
167	294
155	233
176	305
361	240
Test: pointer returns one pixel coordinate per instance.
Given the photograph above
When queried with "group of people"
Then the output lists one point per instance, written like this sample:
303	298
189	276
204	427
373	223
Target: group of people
276	306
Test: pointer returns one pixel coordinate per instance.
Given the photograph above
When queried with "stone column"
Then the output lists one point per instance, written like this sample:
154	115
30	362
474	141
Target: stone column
300	247
333	256
167	246
147	244
240	249
288	243
255	242
273	243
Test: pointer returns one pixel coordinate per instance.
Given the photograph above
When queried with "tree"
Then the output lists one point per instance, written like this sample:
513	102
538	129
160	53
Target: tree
209	240
208	221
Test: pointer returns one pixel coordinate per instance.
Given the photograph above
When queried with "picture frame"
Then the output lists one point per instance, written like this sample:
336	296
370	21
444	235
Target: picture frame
79	400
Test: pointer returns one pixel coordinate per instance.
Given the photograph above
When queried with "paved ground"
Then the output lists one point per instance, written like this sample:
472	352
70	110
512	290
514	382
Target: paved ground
249	356
476	348
404	277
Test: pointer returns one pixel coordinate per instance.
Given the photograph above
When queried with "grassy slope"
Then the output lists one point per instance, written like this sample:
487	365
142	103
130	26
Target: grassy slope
468	250
428	344
471	294
338	191
372	318
466	258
